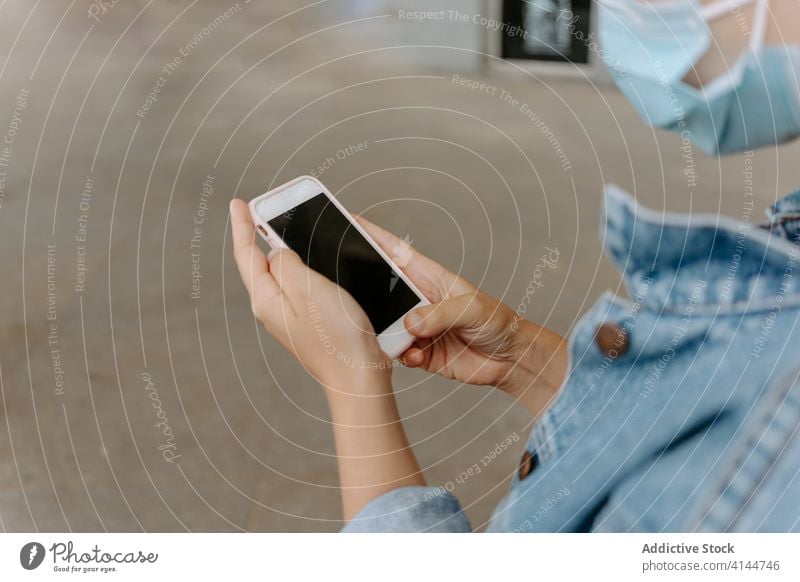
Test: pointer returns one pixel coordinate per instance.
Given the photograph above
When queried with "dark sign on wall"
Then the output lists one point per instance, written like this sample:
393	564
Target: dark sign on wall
547	30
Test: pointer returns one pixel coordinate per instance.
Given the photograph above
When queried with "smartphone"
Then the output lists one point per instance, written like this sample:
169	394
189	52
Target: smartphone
305	217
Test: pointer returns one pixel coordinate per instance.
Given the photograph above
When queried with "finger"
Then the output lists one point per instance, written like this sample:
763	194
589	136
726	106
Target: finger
250	260
292	275
413	357
423	271
391	244
383	237
464	311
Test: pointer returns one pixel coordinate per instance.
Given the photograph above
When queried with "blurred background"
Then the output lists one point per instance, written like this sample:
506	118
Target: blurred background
138	392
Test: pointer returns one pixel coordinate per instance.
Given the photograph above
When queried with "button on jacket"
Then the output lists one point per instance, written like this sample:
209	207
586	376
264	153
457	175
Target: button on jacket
681	408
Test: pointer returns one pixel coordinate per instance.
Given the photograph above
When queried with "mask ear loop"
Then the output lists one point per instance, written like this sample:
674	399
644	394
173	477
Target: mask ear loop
759	31
729	79
717	9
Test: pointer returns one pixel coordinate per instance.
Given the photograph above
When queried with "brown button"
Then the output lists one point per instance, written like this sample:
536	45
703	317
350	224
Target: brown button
612	340
526	464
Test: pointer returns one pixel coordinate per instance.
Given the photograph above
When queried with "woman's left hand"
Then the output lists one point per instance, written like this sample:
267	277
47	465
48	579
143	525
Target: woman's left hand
316	320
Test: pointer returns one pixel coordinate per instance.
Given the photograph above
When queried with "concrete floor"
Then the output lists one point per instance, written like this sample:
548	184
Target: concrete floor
92	332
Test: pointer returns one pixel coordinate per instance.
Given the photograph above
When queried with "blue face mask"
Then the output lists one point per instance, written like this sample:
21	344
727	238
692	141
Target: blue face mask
654	45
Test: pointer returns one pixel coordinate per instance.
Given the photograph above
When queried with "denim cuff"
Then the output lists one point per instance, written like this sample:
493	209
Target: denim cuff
411	509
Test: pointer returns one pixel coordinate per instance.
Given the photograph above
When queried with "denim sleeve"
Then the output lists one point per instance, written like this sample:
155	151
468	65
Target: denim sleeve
411	509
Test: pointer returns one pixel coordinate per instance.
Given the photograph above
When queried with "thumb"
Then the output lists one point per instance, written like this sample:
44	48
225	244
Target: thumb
464	311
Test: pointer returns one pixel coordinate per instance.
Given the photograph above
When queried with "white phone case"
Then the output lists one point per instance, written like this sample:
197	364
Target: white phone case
394	340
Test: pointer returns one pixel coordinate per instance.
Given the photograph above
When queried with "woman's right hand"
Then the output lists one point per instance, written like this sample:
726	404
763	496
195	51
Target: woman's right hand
468	336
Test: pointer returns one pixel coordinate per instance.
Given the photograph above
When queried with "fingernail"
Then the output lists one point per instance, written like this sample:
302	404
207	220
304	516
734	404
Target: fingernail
272	254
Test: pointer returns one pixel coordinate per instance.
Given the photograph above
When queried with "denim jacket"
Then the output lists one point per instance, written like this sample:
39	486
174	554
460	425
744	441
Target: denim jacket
689	420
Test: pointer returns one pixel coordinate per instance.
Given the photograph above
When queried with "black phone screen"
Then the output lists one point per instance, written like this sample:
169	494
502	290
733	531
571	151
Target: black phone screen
328	243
